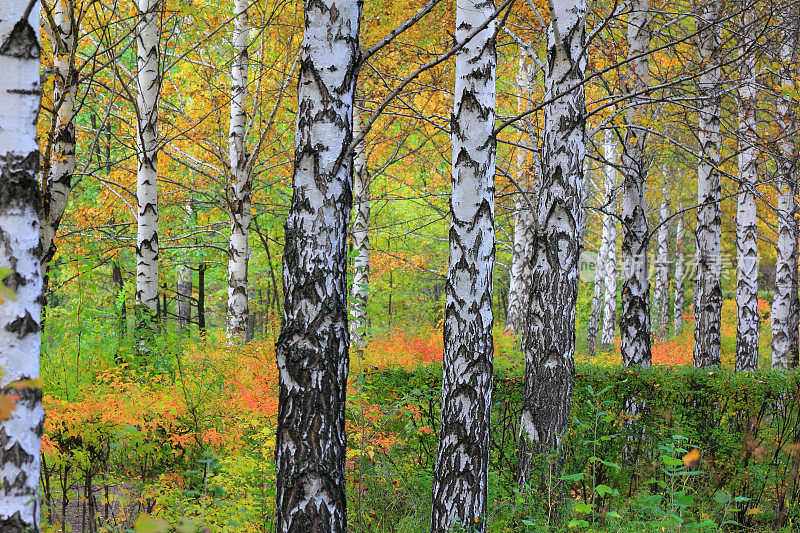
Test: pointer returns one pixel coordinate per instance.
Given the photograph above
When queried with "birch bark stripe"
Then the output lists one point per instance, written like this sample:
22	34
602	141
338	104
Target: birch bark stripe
609	261
60	179
748	324
358	305
634	323
312	349
550	341
460	477
240	184
20	434
148	81
708	234
661	296
679	303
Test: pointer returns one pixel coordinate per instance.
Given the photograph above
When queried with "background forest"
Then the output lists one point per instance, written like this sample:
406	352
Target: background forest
610	272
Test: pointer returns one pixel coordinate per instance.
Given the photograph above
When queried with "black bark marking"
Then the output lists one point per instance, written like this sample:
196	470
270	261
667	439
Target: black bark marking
22	42
23	326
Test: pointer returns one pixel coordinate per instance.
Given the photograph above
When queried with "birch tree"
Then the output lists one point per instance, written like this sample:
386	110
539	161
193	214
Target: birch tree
678	303
20	311
361	198
550	341
59	180
460	476
313	347
519	284
784	312
238	192
748	323
634	323
708	233
661	293
148	85
609	260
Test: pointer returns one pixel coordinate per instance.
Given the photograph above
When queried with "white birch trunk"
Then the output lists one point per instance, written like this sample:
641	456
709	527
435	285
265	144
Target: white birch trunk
549	345
749	323
661	292
361	198
634	323
59	181
240	182
596	311
460	476
679	302
148	81
784	304
312	351
20	311
708	233
519	284
609	260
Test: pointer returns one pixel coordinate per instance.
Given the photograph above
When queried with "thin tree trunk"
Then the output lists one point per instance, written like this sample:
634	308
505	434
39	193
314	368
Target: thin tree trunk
596	311
21	288
609	260
550	342
358	305
634	323
148	89
201	299
122	313
460	476
519	283
241	183
184	298
708	234
661	293
59	179
678	304
749	323
785	304
313	347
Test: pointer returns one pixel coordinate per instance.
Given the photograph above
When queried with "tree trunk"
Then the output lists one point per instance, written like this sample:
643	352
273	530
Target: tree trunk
312	349
550	341
596	311
241	185
609	260
634	323
122	313
21	288
661	296
183	295
148	90
59	179
358	305
708	234
460	477
519	284
679	302
748	324
785	304
201	299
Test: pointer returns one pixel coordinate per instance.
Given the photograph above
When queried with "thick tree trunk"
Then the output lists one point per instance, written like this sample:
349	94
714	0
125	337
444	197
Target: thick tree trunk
634	323
312	349
460	477
59	179
550	341
609	260
785	301
679	302
661	292
20	312
748	324
241	184
358	304
519	284
708	233
148	89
